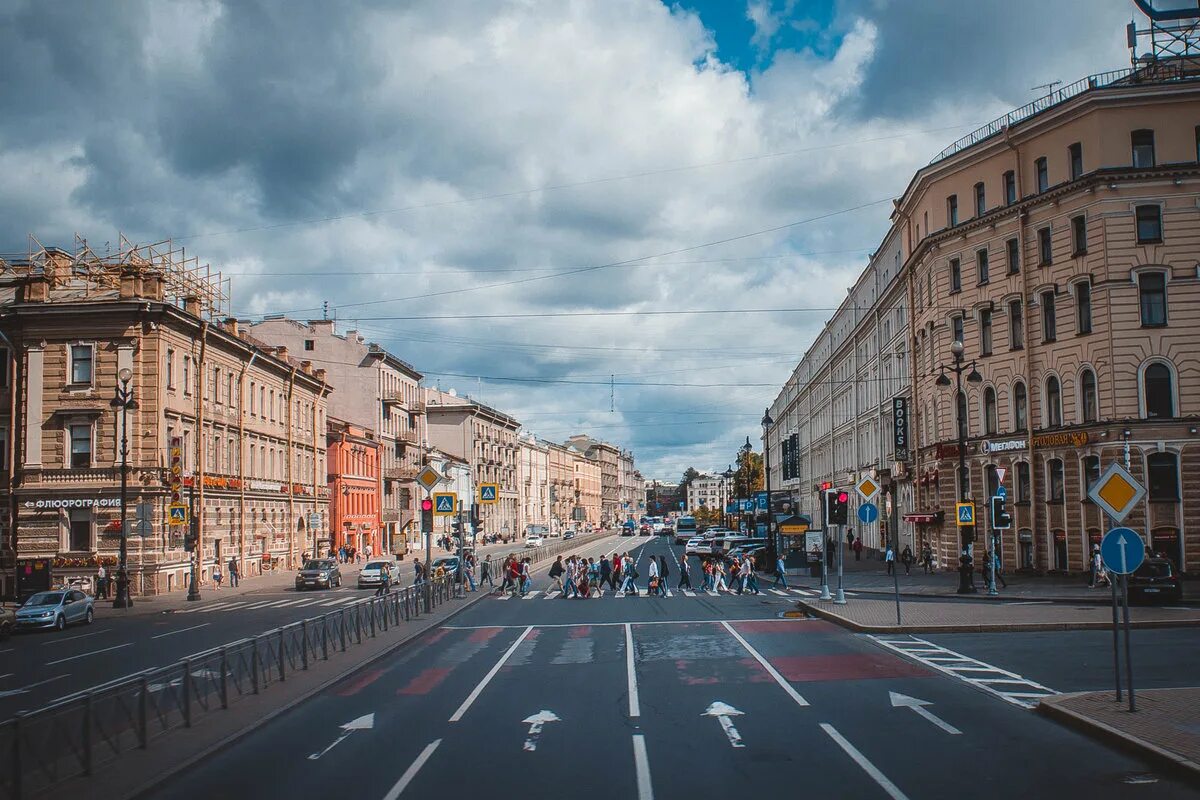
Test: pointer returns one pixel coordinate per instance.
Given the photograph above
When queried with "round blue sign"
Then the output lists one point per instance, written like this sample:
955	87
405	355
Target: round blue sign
1122	550
868	513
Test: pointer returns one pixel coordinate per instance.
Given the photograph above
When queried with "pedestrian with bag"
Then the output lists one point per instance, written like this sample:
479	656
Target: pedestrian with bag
906	558
663	573
606	574
485	572
653	584
217	576
629	585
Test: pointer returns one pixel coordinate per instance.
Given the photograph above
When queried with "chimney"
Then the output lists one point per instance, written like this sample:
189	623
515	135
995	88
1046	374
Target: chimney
231	326
36	289
281	353
319	374
191	305
152	285
131	284
306	367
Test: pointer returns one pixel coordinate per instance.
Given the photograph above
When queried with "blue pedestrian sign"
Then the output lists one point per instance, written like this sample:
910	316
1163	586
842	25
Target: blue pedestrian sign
1122	550
488	492
444	503
965	512
1001	491
868	513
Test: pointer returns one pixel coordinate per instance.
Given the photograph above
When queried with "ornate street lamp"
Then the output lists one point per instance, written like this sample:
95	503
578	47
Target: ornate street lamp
123	400
772	545
966	579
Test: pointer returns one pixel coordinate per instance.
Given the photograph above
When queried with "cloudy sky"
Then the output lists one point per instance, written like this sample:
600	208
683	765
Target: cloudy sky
501	191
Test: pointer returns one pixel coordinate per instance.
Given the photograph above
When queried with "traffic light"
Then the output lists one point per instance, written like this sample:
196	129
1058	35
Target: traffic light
476	522
837	507
427	515
1001	519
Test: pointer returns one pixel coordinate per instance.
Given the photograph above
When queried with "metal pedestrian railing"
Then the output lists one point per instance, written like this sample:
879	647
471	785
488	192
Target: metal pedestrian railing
74	736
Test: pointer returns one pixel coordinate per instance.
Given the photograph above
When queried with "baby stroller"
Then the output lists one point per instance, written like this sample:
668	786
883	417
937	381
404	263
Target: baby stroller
652	586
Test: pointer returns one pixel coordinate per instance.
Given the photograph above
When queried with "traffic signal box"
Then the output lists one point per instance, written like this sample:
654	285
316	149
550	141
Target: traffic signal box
427	515
1001	519
837	507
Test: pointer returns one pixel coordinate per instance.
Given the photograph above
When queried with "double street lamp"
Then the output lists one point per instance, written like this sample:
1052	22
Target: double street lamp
772	548
123	399
966	582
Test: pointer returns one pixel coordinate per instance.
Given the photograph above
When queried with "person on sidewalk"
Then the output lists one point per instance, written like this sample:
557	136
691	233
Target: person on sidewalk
781	573
927	558
101	583
1094	578
906	558
857	548
998	569
235	577
889	558
217	576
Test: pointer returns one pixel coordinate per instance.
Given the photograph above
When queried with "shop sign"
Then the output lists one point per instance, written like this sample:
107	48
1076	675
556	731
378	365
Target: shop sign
1025	536
1002	445
900	428
265	486
1066	439
74	502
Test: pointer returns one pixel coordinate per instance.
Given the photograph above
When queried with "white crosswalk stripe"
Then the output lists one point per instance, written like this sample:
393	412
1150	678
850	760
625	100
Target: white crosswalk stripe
223	607
552	595
532	594
802	592
688	593
778	592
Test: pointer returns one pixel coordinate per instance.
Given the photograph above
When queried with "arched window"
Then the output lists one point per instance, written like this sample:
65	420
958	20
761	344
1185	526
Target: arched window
1020	406
1087	396
990	421
1158	394
961	414
1053	402
1054	470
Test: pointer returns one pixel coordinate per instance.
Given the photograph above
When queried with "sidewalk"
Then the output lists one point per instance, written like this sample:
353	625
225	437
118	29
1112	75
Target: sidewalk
878	615
1164	728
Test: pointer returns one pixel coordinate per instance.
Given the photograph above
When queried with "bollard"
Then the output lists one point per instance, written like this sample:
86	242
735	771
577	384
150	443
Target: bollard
143	717
224	678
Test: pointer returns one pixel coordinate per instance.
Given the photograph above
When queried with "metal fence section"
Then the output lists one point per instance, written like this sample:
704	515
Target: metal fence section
74	736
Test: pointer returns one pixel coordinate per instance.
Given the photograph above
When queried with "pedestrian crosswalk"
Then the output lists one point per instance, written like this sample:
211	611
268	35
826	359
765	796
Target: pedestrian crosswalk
322	600
552	594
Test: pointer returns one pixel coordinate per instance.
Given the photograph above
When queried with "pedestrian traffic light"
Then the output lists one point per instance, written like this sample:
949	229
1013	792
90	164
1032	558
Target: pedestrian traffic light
1001	519
837	507
475	520
427	515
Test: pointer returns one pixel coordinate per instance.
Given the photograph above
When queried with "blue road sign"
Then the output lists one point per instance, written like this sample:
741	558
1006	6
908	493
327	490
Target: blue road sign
760	501
1122	550
868	513
1001	491
487	492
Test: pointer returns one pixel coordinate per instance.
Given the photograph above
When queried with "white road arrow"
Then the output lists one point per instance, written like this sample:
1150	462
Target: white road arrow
904	701
363	723
535	724
723	712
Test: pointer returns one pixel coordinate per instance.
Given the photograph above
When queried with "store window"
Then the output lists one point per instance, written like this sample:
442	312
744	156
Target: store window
1162	470
79	530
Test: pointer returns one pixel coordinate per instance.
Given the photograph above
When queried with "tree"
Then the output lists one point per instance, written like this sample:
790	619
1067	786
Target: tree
690	474
748	477
707	517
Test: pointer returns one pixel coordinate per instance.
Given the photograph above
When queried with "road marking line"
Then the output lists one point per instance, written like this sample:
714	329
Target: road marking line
551	595
487	678
784	621
335	602
228	607
688	593
531	595
24	689
412	770
85	655
182	630
802	592
669	593
635	706
71	638
320	601
599	594
867	767
778	592
259	604
787	687
504	596
641	765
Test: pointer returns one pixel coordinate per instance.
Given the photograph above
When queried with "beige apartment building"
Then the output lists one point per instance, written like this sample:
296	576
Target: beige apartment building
376	390
248	420
608	456
589	489
1059	245
487	439
533	482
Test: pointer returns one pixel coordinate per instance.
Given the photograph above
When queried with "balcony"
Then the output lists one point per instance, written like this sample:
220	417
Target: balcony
407	435
397	399
404	473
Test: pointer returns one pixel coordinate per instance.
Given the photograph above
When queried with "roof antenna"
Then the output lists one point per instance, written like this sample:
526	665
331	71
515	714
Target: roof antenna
611	389
1049	87
325	310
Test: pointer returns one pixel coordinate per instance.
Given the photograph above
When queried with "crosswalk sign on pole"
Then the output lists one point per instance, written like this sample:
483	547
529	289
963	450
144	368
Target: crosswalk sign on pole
489	492
965	513
445	503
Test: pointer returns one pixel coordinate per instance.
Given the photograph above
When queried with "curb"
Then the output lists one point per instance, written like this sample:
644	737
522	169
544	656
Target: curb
1013	627
1183	767
1096	600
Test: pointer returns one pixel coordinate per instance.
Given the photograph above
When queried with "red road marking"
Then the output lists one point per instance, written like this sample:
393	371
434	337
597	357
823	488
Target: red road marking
361	682
434	637
845	667
709	672
799	626
581	632
425	681
483	634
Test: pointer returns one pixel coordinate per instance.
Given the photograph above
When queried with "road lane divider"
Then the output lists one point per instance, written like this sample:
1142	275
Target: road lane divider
635	706
412	770
641	765
87	654
182	630
865	763
774	673
466	704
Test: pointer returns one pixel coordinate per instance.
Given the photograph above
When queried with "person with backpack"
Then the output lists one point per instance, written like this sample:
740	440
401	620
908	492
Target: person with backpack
525	579
618	566
235	577
663	573
606	575
485	572
593	573
735	580
751	578
889	557
906	558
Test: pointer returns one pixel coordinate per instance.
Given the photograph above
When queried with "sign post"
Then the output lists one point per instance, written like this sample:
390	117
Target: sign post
1123	552
428	477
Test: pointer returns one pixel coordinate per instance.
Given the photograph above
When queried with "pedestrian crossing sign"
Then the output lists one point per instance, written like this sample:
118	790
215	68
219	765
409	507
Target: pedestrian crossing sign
177	514
444	503
965	514
488	493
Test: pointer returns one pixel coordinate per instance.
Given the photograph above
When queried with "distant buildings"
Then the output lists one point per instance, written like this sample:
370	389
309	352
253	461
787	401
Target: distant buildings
709	491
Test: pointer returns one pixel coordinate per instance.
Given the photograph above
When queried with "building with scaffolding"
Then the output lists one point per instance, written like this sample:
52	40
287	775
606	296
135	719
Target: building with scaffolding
247	420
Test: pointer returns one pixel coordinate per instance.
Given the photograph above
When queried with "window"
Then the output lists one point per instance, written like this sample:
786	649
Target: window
960	412
1083	307
81	364
1152	294
170	368
1013	249
985	331
187	374
1023	483
952	211
990	421
81	446
1087	395
1016	325
980	200
309	344
1010	187
216	384
1158	394
1149	225
1045	253
253	393
1054	469
1043	174
1075	154
1162	470
1079	235
956	325
1143	148
1053	402
981	263
955	275
1091	473
79	531
1049	320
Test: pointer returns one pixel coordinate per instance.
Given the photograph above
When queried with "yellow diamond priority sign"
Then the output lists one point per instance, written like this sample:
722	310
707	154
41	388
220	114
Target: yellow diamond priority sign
867	487
429	478
1117	492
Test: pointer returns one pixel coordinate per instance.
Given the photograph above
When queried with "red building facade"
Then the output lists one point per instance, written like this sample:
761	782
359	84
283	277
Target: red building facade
354	488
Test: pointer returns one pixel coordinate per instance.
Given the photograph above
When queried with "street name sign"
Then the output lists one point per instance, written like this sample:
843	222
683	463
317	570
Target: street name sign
489	493
964	513
1117	492
444	503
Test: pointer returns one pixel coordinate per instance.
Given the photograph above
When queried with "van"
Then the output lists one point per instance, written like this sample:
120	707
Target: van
685	529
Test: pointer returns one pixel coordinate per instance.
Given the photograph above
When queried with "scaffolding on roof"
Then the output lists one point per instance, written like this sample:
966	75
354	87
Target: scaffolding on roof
83	268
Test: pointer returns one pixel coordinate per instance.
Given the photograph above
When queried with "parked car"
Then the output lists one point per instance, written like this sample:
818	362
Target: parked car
568	534
628	529
319	573
377	573
533	540
8	622
56	609
1155	580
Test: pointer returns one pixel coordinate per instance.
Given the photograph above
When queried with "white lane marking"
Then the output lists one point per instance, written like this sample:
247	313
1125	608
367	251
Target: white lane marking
227	607
797	621
688	593
487	678
918	705
259	604
787	687
531	595
412	770
85	655
24	689
1029	603
552	595
7	675
599	593
641	765
72	638
669	593
182	630
286	603
778	592
504	596
320	601
335	602
867	767
802	592
635	706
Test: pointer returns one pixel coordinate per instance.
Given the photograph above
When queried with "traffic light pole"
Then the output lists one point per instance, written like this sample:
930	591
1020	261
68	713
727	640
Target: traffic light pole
841	554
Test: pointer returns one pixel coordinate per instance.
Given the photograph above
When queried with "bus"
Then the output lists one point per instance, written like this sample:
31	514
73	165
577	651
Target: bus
685	528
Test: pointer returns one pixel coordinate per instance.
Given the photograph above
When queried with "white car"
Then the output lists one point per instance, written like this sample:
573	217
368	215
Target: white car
698	546
533	541
377	573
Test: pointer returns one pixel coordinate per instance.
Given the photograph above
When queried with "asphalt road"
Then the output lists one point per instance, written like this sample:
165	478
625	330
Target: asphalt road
39	667
682	697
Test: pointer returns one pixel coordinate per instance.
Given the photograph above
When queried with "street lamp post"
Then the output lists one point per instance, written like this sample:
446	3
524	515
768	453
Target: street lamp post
747	449
772	545
966	580
728	476
123	399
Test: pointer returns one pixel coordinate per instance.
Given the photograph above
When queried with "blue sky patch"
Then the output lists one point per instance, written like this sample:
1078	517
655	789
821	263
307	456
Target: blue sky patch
783	25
